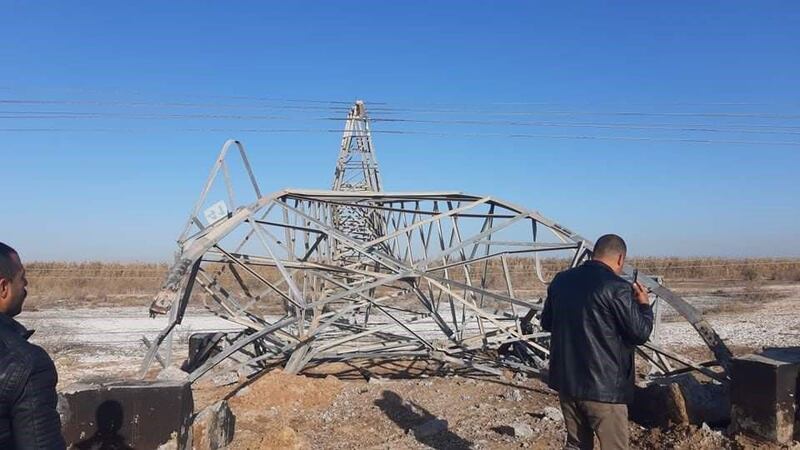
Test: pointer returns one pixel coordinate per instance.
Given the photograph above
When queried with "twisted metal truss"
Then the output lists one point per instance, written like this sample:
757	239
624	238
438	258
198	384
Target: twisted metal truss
453	277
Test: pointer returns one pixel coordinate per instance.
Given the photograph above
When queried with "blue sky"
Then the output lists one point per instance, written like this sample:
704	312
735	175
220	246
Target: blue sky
111	115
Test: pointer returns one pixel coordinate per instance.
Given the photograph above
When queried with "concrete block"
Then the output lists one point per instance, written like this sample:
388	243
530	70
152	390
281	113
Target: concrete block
764	390
127	414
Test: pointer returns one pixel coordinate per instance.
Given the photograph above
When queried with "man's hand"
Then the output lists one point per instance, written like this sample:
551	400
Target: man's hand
640	294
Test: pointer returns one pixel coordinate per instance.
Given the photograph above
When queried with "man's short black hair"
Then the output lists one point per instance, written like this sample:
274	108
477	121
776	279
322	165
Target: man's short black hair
8	267
610	245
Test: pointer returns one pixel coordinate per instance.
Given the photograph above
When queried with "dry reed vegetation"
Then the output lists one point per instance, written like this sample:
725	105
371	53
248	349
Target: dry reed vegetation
90	283
97	283
720	269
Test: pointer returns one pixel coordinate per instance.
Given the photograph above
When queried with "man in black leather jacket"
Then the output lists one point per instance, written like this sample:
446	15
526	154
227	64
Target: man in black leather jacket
28	417
596	320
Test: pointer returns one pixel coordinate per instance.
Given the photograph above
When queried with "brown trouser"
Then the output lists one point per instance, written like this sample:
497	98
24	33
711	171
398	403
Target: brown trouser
584	419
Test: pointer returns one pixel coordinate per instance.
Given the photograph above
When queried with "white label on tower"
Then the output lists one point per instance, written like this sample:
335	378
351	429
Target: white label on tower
215	212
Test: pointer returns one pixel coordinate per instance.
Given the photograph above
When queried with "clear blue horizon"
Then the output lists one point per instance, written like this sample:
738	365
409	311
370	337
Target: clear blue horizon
675	125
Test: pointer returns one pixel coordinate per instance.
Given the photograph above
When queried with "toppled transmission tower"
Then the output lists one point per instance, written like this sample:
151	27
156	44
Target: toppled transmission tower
359	273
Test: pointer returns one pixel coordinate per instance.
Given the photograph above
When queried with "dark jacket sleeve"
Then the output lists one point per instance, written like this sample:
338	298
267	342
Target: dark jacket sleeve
635	321
547	313
34	419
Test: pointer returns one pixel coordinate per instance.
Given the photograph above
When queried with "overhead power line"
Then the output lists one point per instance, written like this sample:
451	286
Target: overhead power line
419	132
81	115
392	110
494	112
137	104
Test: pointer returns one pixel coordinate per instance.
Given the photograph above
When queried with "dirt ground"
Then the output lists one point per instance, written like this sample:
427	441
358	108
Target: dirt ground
394	405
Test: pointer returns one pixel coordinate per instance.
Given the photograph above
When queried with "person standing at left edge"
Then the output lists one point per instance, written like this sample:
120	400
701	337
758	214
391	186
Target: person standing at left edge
28	416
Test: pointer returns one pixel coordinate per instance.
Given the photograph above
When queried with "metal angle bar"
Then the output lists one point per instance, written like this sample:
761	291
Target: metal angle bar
555	247
519	367
456	236
425	221
481	313
402	324
358	290
382	196
214	257
421	211
536	260
355	305
559	230
482	291
375	329
288	225
249	169
153	350
375	256
487	223
672	372
394	248
176	316
383	347
369	332
509	287
290	282
406	354
335	317
658	308
453	312
246	237
409	253
313	247
434	313
250	321
496	339
228	186
206	188
258	277
240	343
475	238
654	362
218	295
441	356
693	316
686	362
199	246
158	357
532	245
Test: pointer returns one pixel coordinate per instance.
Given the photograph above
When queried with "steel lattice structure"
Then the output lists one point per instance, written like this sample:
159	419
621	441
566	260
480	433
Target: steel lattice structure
359	273
356	171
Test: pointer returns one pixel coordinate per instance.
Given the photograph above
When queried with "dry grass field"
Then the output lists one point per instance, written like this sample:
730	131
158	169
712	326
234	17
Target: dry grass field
103	283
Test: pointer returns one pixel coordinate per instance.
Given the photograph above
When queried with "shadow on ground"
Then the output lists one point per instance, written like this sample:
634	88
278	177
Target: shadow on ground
420	423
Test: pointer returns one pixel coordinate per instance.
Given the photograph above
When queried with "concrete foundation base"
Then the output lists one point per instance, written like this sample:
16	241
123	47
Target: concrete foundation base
129	414
764	393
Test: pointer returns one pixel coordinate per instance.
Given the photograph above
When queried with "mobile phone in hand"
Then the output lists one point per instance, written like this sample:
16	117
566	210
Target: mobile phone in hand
635	275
